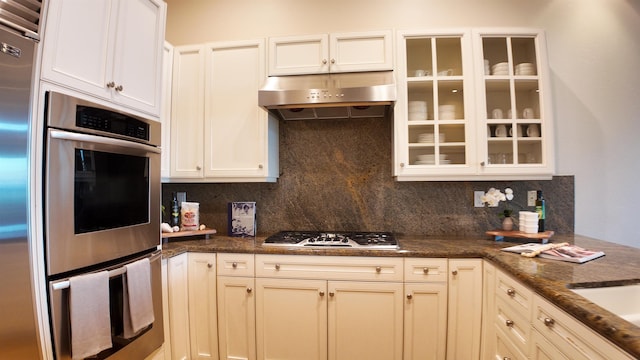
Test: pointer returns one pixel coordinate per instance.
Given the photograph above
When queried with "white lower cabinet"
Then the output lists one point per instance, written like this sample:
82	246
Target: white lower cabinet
236	307
329	307
203	324
465	309
177	306
526	326
425	309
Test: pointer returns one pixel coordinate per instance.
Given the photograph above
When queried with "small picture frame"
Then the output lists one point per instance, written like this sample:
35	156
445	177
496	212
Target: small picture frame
242	219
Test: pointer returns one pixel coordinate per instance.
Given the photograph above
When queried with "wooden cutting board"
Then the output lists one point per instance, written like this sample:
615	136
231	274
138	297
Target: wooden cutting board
500	235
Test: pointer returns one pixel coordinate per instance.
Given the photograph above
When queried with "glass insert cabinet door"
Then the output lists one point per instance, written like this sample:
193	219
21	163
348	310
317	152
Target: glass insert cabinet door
433	113
513	101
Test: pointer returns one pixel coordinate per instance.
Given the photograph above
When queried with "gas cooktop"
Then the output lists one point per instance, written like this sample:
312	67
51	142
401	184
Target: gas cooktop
324	239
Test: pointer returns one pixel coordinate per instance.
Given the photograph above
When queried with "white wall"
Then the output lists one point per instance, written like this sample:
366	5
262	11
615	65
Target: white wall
594	56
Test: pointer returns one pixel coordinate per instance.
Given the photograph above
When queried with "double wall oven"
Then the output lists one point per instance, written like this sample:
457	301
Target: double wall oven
102	212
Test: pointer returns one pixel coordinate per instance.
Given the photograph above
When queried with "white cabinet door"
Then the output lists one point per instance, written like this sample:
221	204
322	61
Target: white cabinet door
187	112
465	309
203	325
239	134
514	108
434	137
236	318
294	55
111	49
425	321
178	306
323	53
291	319
365	320
165	113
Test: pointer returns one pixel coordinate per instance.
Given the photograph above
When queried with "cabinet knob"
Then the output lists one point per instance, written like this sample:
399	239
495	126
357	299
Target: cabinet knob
482	163
378	269
119	88
234	264
425	270
321	293
506	358
209	265
401	164
324	61
260	166
331	293
249	290
277	266
333	61
549	322
198	168
511	292
409	296
111	84
454	272
509	323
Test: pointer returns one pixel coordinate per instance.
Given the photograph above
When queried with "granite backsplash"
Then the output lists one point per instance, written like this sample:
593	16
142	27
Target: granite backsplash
337	175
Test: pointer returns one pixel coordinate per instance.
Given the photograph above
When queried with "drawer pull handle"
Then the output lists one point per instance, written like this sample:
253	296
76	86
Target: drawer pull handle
549	322
511	292
234	265
249	290
409	296
425	270
111	84
378	269
277	266
454	272
509	323
321	293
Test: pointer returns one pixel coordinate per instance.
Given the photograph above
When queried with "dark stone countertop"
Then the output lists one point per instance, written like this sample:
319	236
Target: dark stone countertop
549	278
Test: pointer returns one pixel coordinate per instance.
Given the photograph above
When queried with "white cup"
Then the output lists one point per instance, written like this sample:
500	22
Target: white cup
527	113
518	131
533	131
497	114
447	72
421	72
501	130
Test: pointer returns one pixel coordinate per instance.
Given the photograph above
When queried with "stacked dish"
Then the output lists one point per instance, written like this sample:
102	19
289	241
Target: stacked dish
430	159
430	138
447	112
528	221
500	69
525	69
417	110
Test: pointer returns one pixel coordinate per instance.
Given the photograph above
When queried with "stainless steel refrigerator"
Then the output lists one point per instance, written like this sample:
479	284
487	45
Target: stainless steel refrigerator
18	35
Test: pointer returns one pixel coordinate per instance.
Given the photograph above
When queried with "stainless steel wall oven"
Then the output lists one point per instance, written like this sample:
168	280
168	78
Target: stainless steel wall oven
102	212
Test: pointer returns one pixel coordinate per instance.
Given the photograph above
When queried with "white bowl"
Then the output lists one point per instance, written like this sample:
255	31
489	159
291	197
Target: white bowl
447	115
425	162
417	115
426	157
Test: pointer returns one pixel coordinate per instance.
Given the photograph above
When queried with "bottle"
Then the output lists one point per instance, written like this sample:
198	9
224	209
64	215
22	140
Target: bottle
175	211
540	209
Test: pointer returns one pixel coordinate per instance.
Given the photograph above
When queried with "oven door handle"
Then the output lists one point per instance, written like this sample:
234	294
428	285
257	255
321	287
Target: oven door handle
63	284
65	135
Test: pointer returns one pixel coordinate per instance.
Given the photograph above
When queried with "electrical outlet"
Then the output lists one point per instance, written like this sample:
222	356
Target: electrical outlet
477	198
532	195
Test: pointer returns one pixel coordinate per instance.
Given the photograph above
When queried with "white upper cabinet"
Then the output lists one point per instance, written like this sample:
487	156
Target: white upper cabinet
473	105
513	104
218	131
111	49
434	114
336	52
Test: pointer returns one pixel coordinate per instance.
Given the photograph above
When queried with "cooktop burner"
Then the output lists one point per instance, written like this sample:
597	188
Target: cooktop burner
357	240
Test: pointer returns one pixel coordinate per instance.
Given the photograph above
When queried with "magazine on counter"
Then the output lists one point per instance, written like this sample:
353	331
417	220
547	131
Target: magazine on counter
563	252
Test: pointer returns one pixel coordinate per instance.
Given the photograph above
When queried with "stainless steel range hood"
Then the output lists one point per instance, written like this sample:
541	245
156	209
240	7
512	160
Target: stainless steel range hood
329	96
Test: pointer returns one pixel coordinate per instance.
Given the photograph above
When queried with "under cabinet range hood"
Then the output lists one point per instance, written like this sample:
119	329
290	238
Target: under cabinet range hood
329	96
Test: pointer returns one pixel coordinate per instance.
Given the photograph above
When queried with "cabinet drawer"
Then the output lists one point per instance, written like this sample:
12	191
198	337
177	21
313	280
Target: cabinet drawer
514	293
514	325
330	267
236	264
572	338
505	348
425	269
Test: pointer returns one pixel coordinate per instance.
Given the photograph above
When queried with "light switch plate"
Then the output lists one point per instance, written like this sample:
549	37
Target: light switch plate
532	195
477	198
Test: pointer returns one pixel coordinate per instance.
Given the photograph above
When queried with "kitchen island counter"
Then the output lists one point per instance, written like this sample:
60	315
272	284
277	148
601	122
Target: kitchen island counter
548	278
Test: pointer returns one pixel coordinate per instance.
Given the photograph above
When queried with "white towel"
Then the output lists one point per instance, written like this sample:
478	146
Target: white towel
137	299
89	312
